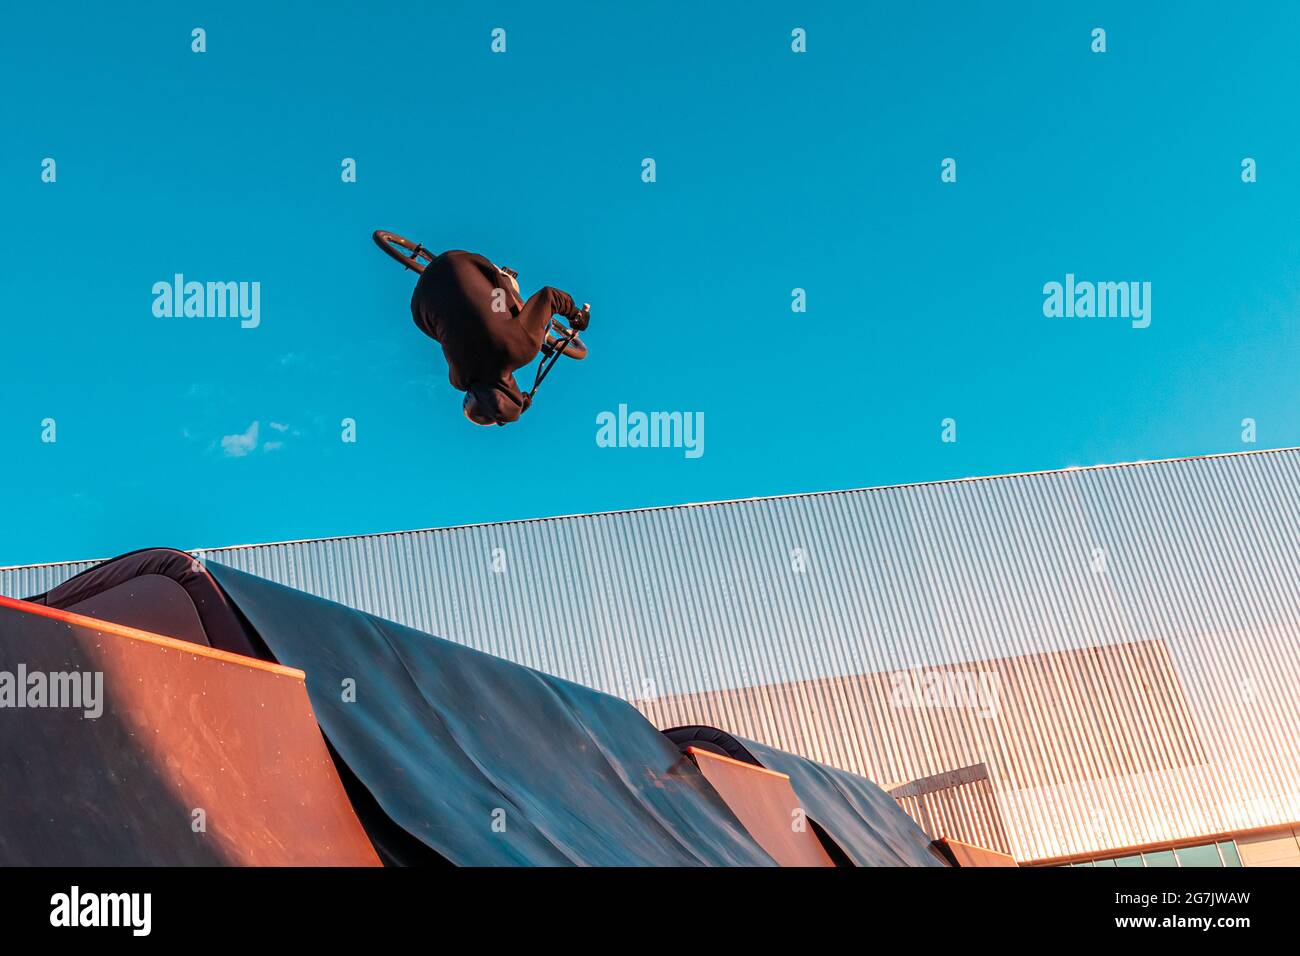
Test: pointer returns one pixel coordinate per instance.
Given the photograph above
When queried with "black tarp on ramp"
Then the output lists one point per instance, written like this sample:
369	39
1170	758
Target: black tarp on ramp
867	823
488	762
864	822
160	590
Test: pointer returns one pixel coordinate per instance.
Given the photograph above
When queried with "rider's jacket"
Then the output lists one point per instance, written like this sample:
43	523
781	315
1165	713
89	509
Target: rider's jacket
472	308
453	303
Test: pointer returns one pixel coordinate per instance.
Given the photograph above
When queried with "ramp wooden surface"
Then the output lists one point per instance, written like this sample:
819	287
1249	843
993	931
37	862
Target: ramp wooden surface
767	806
198	757
967	854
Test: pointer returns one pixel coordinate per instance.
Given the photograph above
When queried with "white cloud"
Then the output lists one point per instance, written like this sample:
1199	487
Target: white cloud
237	446
279	427
272	445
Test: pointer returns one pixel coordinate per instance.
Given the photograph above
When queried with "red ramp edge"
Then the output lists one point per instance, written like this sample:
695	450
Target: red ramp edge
968	854
199	757
766	805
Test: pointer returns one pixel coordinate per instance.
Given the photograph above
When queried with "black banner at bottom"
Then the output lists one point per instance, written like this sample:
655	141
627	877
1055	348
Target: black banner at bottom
386	907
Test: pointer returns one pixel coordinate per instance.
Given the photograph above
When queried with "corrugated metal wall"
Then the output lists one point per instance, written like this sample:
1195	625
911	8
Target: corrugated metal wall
957	805
1200	556
1113	719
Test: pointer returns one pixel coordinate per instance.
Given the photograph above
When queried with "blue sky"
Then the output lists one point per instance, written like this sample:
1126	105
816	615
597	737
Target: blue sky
774	171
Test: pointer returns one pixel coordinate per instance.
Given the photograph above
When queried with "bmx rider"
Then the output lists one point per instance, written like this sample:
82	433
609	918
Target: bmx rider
475	311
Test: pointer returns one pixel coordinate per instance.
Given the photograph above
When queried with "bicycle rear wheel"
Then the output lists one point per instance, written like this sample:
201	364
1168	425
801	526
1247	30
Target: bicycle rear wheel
405	251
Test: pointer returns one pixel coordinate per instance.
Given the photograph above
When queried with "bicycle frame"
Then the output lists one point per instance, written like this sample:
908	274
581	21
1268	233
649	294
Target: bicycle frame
549	362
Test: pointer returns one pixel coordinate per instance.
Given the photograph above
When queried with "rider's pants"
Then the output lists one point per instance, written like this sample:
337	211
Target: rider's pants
539	308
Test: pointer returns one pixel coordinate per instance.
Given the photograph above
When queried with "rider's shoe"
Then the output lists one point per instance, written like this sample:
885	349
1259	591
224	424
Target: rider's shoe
580	318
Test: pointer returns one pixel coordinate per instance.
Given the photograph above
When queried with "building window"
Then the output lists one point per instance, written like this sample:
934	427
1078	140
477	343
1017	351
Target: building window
1206	854
1228	850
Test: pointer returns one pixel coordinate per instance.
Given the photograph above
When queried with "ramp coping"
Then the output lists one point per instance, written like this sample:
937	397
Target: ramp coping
698	752
148	637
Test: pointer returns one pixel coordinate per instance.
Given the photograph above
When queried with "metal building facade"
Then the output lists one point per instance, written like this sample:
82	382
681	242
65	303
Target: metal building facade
1141	624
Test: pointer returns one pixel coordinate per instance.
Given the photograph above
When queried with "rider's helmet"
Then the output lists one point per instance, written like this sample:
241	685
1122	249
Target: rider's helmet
475	412
494	404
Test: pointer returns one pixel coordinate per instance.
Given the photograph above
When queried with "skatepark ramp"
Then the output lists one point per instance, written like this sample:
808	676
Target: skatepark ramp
441	754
